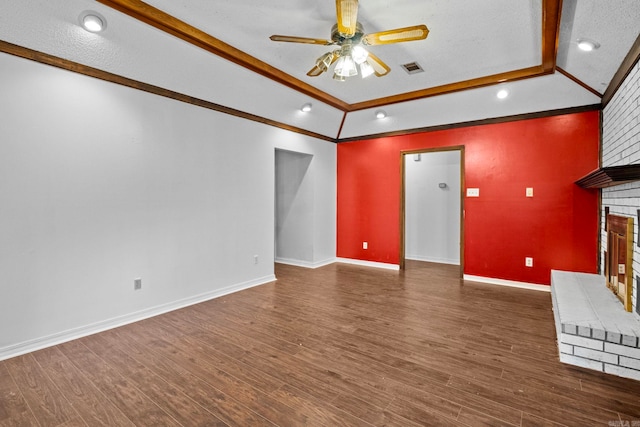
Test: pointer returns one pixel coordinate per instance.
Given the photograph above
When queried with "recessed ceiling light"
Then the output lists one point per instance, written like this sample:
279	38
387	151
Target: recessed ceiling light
587	45
306	107
502	94
381	114
92	21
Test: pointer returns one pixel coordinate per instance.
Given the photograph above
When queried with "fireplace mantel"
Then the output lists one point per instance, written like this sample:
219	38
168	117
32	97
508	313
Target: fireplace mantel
610	176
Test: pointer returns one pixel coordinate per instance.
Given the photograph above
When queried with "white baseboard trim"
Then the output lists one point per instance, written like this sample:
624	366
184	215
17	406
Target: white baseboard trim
434	260
510	283
369	263
305	264
83	331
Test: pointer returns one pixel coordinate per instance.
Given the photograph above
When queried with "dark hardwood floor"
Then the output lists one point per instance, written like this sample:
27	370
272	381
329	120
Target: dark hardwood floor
337	346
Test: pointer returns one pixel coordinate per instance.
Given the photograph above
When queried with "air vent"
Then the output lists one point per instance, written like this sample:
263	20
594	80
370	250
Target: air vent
412	68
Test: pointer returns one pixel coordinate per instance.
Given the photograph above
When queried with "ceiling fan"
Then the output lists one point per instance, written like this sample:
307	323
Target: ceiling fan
349	35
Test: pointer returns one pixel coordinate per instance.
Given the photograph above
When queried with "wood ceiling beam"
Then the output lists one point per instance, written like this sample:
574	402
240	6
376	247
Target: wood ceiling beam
551	10
452	87
144	12
163	21
579	82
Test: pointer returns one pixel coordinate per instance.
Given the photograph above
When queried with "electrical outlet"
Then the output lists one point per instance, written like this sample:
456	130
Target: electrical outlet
473	192
529	192
137	284
365	245
528	262
255	259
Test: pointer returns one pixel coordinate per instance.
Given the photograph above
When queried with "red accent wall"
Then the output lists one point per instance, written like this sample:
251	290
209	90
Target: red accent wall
558	227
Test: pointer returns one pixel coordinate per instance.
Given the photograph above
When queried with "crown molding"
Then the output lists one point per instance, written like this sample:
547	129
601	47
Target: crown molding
625	68
496	120
54	61
579	82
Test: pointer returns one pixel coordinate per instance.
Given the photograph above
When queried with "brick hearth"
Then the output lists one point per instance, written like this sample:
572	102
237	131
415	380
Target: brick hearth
592	327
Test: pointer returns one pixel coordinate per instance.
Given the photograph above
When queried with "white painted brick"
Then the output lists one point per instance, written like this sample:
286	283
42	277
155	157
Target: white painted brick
582	362
570	329
622	350
596	355
630	363
565	348
629	341
598	334
584	331
622	371
621	146
614	337
582	342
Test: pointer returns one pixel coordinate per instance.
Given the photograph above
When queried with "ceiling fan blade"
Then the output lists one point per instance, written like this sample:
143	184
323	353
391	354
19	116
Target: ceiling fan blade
293	39
417	32
347	13
379	68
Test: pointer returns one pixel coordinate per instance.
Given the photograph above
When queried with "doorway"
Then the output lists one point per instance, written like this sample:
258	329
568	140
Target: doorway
294	208
431	219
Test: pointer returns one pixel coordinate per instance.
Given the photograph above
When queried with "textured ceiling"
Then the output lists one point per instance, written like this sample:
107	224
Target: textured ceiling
614	25
459	46
467	40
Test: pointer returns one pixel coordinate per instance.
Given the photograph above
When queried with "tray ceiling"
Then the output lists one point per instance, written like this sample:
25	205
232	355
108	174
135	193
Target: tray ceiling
459	47
219	53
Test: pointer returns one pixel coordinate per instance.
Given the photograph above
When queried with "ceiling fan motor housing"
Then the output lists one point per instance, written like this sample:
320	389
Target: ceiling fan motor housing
340	39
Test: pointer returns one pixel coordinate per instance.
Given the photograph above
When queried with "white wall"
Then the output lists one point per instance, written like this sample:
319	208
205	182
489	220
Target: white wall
432	214
621	146
525	96
101	184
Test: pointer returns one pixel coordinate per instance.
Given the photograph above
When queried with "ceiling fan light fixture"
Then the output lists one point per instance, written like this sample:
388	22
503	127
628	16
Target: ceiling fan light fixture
366	70
339	66
359	54
351	58
306	107
587	45
325	61
346	67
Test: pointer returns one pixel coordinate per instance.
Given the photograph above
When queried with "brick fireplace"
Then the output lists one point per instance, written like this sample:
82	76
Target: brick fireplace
593	329
595	324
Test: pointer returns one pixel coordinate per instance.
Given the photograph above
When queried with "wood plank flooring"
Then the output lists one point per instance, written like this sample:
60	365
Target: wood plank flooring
340	345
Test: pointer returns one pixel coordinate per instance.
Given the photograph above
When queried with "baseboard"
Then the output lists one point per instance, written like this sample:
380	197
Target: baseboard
368	263
83	331
510	283
305	264
434	260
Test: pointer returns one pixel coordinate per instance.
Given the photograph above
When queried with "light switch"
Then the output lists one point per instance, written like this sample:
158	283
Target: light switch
529	192
473	192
